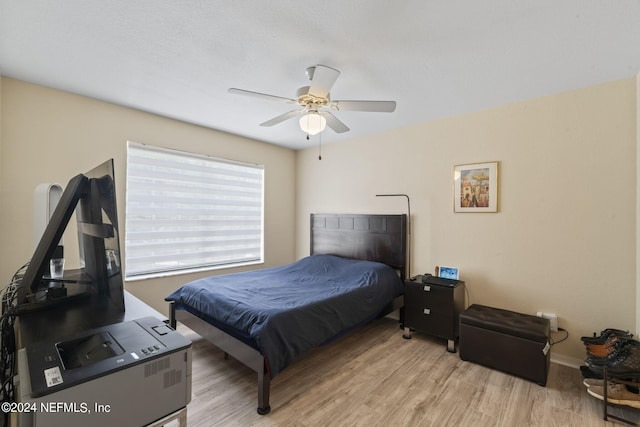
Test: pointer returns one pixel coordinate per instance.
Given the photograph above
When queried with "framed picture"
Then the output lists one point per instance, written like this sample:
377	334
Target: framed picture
475	187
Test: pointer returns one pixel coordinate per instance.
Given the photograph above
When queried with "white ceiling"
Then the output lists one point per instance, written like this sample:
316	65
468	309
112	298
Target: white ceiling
436	58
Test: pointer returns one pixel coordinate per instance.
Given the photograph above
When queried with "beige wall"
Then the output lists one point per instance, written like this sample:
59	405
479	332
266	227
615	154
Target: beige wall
0	139
564	238
50	136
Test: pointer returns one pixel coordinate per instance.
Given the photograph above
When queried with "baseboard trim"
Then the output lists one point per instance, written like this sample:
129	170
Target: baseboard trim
569	361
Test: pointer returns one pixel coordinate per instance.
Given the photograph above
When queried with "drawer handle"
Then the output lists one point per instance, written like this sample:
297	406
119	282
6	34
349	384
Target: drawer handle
427	288
427	311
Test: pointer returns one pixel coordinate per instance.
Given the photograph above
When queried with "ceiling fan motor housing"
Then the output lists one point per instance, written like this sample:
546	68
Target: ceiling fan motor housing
305	99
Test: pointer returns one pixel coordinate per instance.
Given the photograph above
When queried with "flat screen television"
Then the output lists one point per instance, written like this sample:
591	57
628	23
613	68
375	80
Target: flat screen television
92	196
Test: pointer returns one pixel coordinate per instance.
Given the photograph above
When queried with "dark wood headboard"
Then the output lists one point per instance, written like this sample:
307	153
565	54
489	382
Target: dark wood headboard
380	238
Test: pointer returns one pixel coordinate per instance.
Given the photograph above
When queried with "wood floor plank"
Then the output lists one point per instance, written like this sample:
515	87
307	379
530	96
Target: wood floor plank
375	377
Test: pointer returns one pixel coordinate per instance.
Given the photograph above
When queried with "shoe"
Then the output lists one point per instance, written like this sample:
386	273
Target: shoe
617	394
626	365
591	382
621	350
588	373
601	350
604	335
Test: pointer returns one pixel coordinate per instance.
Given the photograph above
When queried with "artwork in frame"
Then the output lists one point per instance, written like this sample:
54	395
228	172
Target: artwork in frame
476	187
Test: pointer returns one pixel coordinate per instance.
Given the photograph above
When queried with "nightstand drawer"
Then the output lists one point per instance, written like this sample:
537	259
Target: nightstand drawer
431	295
430	319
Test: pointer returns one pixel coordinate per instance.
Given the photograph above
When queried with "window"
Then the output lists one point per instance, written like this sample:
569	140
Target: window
187	212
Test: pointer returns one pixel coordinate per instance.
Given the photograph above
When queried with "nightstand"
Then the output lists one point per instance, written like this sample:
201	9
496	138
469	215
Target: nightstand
433	308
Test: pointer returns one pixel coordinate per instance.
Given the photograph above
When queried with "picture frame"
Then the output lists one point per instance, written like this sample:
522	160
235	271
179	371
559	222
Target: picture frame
475	187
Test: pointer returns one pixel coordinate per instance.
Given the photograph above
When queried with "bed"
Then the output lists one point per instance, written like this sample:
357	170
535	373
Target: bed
266	318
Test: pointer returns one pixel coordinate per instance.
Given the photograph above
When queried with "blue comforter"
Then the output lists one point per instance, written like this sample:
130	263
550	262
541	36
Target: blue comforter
284	311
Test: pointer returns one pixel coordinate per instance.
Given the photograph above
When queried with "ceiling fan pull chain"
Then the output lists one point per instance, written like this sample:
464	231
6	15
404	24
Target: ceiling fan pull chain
320	146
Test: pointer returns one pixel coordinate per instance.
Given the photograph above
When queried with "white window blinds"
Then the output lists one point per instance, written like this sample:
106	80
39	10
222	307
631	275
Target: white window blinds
189	212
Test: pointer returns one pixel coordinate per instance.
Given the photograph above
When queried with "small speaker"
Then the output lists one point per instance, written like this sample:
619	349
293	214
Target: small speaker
45	200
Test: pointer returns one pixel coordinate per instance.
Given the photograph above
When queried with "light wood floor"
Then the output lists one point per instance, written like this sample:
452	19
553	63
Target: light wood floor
375	377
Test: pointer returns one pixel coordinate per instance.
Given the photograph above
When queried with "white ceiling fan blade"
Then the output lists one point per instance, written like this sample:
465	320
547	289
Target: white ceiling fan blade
372	106
281	118
333	122
261	95
322	81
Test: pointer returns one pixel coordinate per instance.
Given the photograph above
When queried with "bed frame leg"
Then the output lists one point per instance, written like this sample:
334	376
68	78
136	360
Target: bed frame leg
264	385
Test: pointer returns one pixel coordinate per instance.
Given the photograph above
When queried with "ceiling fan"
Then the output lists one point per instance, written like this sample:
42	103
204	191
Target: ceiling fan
314	100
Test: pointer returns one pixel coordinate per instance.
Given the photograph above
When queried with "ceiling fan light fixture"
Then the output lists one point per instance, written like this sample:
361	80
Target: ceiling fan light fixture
312	123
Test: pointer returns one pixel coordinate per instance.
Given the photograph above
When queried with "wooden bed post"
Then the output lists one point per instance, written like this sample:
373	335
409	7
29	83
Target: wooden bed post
264	385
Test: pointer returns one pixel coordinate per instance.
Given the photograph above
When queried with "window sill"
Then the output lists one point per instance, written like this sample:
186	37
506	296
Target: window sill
163	274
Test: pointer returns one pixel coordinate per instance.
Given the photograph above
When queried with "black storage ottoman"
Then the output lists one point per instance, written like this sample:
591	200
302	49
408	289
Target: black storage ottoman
510	342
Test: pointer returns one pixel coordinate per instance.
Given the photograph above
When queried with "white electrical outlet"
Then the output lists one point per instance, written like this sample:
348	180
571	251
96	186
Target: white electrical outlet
553	320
